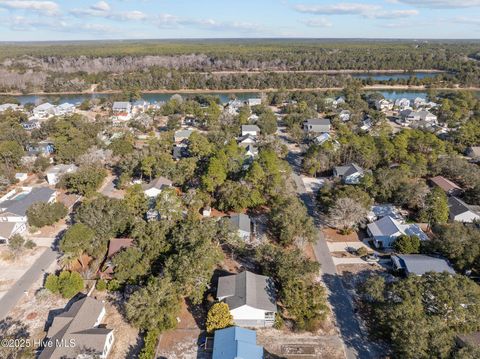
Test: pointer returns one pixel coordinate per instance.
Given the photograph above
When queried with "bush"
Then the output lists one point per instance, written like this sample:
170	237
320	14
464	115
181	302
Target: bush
45	214
362	252
66	283
85	181
113	285
16	243
407	244
148	351
29	244
279	322
219	317
101	285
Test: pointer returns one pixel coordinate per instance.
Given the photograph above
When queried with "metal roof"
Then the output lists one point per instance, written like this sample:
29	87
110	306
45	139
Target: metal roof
20	206
247	288
420	264
236	343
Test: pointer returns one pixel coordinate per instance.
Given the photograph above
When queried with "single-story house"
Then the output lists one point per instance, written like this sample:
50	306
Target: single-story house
236	343
80	325
387	229
419	264
154	188
54	173
254	102
462	212
182	135
449	187
349	174
9	229
242	224
122	107
14	205
244	141
317	125
251	298
382	210
42	147
253	130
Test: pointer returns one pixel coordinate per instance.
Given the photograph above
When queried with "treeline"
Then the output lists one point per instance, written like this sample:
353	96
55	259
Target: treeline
168	65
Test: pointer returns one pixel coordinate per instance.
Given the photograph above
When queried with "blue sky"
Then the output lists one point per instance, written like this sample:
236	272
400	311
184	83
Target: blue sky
41	20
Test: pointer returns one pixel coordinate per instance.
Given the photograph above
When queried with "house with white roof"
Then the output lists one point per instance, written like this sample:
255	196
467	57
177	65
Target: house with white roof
252	130
254	102
45	110
54	173
251	298
153	189
9	106
383	104
402	103
64	109
317	125
387	229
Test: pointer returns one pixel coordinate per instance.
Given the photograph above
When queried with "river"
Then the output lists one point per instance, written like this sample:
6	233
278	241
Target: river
395	76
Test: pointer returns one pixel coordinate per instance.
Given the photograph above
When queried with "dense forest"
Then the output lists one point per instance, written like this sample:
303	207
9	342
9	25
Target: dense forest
191	64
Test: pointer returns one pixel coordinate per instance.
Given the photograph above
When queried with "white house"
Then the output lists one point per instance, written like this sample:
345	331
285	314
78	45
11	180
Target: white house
64	109
250	297
387	229
153	189
9	106
383	105
344	115
410	116
402	103
44	110
462	212
9	229
54	173
317	125
254	101
253	130
349	174
81	325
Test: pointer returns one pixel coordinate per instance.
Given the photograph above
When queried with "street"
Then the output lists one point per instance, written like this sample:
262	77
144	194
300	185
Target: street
356	344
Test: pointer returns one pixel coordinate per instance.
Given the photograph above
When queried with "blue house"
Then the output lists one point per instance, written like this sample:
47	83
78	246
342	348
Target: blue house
236	343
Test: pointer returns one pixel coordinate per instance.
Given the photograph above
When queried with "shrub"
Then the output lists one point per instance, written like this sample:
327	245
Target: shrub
29	244
16	244
101	285
279	322
45	214
113	285
66	283
148	350
362	251
219	317
407	244
85	181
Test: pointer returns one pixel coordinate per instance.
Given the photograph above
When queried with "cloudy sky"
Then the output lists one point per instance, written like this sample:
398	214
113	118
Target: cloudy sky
39	20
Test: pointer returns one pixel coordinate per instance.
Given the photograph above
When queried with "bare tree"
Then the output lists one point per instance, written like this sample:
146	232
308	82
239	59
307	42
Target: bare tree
345	214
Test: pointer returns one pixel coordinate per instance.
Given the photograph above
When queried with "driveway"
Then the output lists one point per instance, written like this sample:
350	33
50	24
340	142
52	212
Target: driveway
21	286
357	344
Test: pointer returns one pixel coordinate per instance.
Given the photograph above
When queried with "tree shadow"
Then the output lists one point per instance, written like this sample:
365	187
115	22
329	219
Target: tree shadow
55	312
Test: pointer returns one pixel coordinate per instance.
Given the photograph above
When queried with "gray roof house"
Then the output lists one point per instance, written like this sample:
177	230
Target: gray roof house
79	330
242	224
462	212
253	130
317	125
155	186
251	298
182	135
419	264
17	206
122	106
349	174
473	152
387	229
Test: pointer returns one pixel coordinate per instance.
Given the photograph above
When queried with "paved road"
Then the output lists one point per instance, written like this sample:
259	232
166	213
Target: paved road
356	344
17	291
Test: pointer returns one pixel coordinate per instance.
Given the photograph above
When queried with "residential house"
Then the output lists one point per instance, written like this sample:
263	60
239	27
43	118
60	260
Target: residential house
462	212
54	173
419	102
349	174
9	229
382	210
121	107
144	119
473	152
383	105
242	224
344	115
251	151
244	141
471	340
339	101
402	103
254	102
44	110
387	229
449	187
250	297
64	109
233	106
317	125
252	130
80	331
140	106
236	343
154	188
419	264
21	176
410	116
9	106
115	245
179	152
182	135
41	148
14	205
31	125
366	124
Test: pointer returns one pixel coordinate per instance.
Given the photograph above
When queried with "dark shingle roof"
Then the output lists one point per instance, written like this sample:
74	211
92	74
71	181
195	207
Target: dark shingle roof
20	206
247	288
457	207
420	264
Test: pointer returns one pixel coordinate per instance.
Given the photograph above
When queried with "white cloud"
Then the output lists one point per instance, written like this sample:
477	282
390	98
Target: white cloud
467	20
44	7
101	6
320	22
393	14
365	10
441	3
